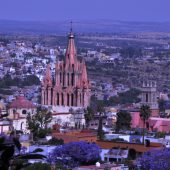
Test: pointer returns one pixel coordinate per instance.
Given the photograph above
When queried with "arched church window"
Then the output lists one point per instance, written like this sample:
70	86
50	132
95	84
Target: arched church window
63	78
80	98
72	79
68	98
60	78
72	99
62	99
147	97
68	79
73	67
58	102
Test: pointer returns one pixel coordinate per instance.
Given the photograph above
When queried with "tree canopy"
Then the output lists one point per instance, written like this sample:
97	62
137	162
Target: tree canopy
128	97
75	153
100	132
8	159
89	114
29	80
123	120
37	123
155	159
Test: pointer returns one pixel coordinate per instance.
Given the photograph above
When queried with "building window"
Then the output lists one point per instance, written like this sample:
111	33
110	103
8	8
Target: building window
68	79
63	79
68	100
80	98
146	97
62	99
58	102
73	67
24	111
72	99
60	78
72	79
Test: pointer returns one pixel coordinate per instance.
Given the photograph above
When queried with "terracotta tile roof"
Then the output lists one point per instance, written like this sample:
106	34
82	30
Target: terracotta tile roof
72	137
137	147
21	102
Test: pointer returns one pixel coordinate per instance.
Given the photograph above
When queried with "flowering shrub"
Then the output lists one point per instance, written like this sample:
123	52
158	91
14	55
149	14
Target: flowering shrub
75	153
158	159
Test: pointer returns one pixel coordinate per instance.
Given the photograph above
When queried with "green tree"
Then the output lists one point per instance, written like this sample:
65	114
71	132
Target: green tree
100	110
31	80
8	159
89	115
145	113
123	120
37	123
162	104
100	133
130	96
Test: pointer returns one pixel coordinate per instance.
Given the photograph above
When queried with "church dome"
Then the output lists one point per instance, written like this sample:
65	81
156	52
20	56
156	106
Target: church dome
21	102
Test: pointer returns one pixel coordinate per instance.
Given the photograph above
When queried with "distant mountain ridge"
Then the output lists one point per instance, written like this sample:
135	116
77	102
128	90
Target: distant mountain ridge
95	26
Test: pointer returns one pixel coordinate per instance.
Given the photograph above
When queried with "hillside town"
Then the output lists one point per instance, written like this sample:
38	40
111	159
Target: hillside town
53	96
84	85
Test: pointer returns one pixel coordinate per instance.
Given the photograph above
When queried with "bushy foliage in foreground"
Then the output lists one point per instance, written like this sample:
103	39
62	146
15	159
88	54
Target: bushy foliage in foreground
75	153
8	160
155	159
38	166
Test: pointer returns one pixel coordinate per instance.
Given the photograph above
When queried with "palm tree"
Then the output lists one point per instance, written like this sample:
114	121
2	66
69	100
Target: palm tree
145	113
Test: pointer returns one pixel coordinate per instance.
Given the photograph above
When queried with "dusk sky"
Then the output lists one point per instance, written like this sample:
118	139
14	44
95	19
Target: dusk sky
58	10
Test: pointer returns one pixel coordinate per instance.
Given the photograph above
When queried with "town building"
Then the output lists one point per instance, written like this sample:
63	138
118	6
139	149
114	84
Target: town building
149	96
18	110
70	86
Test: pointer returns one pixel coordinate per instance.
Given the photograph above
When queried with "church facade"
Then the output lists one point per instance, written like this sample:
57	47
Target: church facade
71	86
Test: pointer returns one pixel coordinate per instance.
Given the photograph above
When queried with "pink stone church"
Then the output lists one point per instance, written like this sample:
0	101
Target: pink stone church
71	87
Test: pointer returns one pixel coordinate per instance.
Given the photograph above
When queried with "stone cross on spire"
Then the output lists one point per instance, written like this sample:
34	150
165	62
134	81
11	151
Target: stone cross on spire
71	26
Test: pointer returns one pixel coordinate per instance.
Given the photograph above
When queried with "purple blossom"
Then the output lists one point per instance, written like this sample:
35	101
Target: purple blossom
75	153
158	159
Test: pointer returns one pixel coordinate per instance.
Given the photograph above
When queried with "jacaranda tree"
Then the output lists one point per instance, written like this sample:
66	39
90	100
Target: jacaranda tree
155	160
75	153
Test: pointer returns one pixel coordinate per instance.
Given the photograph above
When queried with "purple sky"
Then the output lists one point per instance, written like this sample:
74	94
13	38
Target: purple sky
58	10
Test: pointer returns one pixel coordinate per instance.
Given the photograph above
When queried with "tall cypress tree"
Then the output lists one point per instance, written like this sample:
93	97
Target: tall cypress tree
100	133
